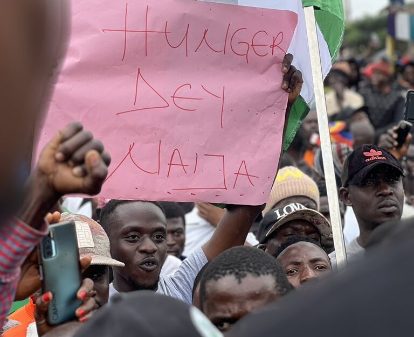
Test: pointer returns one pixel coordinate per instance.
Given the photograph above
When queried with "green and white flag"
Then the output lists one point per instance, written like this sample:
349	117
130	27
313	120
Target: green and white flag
330	18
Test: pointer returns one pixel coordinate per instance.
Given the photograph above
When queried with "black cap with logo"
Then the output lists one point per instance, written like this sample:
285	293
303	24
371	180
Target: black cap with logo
365	158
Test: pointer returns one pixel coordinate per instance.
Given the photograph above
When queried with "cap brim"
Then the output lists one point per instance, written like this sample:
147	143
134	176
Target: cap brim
98	260
362	174
309	215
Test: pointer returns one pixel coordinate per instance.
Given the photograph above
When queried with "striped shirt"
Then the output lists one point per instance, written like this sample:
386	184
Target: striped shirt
17	241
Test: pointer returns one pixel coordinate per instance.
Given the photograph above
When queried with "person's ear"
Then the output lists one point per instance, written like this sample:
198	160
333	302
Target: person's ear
344	196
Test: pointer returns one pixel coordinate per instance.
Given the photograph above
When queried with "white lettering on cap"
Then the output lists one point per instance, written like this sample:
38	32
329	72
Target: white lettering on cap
281	213
84	234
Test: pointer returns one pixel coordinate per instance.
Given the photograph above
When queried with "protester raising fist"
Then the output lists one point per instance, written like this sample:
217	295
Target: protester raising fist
72	162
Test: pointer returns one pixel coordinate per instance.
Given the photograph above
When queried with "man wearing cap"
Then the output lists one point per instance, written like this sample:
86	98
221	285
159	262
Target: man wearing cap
372	186
293	219
291	186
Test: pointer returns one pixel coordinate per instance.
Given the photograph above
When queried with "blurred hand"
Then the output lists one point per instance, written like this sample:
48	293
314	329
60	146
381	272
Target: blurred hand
389	142
73	162
292	79
85	293
210	213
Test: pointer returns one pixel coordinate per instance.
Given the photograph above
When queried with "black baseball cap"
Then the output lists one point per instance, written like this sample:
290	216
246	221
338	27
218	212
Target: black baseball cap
365	158
277	218
147	314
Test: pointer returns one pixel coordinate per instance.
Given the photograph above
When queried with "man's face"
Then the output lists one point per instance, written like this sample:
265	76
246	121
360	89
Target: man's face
293	228
303	262
175	236
409	74
100	277
378	79
228	300
139	239
380	197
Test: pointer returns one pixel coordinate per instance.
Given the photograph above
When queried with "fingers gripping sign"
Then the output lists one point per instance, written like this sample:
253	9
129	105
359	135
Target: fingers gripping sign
292	79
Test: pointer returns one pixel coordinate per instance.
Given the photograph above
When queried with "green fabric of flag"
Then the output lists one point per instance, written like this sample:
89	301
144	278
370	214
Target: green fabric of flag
298	112
329	16
331	21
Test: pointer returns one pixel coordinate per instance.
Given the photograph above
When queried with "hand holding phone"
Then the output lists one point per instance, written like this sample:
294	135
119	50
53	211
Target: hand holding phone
60	271
402	132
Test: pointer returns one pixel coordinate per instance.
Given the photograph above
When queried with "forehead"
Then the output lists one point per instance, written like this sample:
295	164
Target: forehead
230	289
175	222
299	225
380	173
302	252
141	214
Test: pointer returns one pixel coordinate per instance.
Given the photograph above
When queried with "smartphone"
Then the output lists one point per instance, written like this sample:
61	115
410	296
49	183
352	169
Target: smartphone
405	126
403	130
60	271
409	107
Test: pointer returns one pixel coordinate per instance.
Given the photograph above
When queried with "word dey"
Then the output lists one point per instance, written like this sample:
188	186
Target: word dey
181	97
176	162
238	41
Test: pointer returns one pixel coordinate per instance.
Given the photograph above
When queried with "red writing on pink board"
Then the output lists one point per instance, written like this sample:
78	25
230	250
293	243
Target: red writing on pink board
235	40
183	97
174	163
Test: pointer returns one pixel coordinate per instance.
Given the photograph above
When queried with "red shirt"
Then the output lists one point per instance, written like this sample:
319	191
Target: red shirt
17	241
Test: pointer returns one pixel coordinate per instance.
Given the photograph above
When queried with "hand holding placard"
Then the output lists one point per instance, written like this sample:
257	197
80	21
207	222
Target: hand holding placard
185	95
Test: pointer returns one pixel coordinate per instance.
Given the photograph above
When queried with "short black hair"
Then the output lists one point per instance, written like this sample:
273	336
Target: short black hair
112	205
173	210
240	262
293	240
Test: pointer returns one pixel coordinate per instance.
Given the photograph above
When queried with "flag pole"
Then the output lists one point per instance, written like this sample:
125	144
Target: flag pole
326	147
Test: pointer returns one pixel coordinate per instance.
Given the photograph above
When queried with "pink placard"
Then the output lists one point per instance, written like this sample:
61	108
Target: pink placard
184	94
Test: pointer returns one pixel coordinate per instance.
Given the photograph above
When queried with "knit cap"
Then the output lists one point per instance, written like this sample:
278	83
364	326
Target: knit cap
291	182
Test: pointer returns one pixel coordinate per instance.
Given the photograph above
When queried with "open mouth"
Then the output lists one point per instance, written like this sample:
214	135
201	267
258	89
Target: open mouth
149	264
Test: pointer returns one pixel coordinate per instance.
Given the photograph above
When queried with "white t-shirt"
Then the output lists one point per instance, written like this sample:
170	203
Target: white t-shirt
198	231
171	265
351	228
353	250
180	284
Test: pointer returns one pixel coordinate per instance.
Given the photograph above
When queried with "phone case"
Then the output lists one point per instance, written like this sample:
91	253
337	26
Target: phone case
61	271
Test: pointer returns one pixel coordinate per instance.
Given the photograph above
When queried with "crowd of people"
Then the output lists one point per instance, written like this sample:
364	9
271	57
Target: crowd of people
156	268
